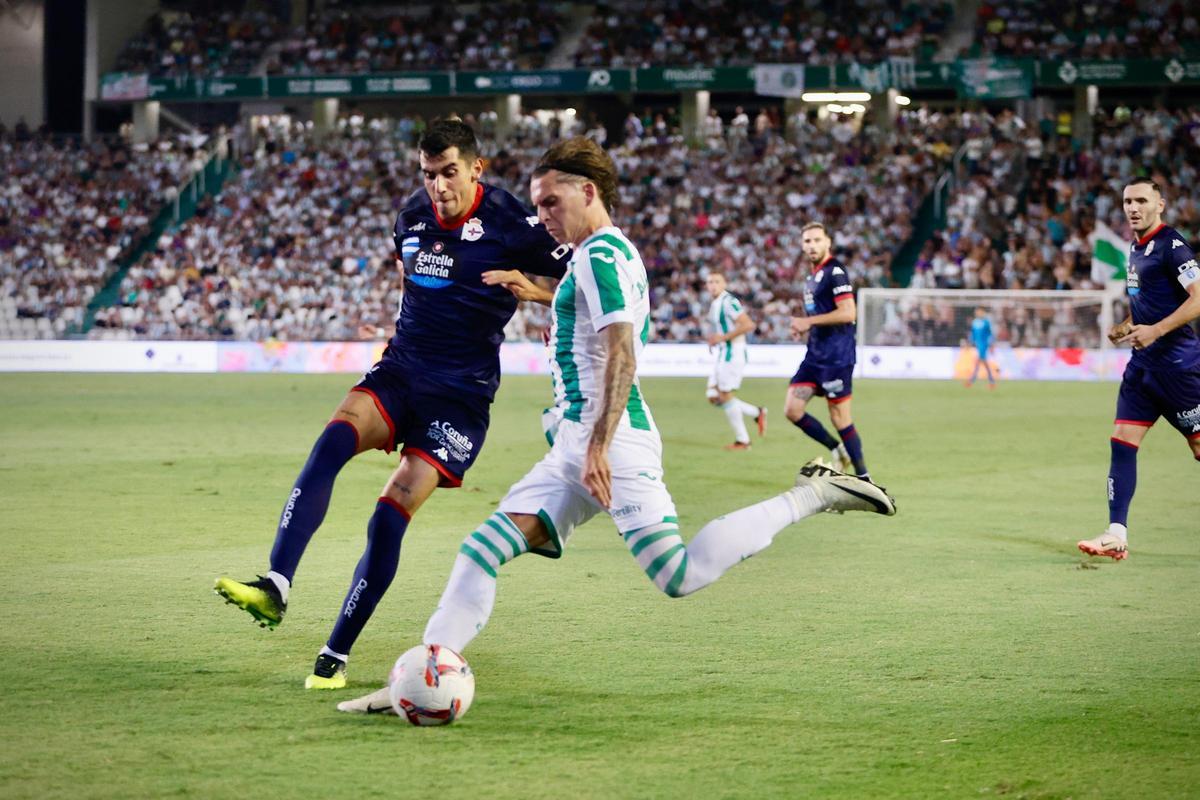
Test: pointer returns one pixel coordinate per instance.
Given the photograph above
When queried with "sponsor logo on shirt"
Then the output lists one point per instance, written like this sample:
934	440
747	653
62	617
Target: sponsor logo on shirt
472	230
1133	284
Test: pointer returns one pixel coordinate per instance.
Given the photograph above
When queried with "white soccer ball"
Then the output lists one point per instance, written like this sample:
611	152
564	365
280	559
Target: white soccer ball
431	685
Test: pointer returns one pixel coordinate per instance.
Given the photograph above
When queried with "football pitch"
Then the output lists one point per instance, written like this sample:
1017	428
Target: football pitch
963	648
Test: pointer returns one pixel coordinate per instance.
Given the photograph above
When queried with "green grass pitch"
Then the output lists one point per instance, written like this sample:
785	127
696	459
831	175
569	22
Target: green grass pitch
961	649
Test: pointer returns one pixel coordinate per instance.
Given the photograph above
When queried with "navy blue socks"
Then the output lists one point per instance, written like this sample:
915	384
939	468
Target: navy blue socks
854	448
814	429
372	576
1122	480
306	506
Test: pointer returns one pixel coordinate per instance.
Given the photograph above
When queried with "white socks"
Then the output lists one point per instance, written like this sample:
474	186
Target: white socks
735	411
1118	530
281	583
470	593
679	570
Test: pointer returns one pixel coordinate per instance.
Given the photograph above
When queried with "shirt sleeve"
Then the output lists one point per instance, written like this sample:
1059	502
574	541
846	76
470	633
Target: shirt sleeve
840	286
602	274
533	250
1184	261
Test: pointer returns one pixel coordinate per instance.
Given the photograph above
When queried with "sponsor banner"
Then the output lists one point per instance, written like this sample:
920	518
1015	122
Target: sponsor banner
931	363
576	81
715	79
303	357
529	358
779	80
993	78
1132	72
86	356
125	86
435	84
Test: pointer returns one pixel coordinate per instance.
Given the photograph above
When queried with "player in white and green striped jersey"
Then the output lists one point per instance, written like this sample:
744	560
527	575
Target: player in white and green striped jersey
607	456
730	324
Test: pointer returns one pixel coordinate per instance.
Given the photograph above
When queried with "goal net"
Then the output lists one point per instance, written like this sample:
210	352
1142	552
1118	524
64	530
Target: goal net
942	317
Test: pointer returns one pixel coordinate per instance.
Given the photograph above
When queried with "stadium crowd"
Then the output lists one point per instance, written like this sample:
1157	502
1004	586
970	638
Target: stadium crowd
68	213
1029	199
1068	29
235	40
299	246
637	33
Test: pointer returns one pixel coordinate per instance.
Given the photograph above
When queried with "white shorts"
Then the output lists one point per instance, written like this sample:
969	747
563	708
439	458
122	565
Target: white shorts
553	491
726	375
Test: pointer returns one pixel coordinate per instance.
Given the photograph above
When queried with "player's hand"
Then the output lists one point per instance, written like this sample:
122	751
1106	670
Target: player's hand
1120	330
1141	336
714	339
800	326
597	475
515	281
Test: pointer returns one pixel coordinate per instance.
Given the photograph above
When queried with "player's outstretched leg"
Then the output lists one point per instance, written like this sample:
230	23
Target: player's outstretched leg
266	598
679	569
1122	481
370	583
468	599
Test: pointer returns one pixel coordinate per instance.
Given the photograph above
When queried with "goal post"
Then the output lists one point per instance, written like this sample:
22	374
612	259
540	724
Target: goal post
1020	318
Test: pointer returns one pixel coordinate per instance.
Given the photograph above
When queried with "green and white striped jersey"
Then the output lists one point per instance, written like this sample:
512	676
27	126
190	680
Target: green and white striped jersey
605	283
722	314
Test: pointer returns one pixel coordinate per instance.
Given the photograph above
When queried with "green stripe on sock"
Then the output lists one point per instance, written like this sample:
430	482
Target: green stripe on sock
672	589
650	539
516	549
512	528
479	537
470	553
657	564
674	520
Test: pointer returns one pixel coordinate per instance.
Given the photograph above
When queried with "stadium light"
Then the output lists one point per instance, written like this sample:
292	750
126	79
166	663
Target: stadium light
836	97
902	100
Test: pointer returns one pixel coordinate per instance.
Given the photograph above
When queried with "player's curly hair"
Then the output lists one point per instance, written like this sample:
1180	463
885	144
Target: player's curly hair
585	159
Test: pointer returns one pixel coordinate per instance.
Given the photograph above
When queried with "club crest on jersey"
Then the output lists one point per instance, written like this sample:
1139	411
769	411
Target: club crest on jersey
472	230
1150	248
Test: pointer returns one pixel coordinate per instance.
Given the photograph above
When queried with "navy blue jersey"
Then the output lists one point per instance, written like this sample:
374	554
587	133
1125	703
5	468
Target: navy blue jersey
451	325
1161	267
828	345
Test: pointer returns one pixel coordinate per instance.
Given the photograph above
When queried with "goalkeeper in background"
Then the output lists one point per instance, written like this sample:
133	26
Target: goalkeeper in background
982	337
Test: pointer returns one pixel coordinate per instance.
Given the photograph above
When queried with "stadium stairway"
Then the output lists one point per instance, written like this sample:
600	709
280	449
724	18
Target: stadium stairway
205	183
961	32
563	55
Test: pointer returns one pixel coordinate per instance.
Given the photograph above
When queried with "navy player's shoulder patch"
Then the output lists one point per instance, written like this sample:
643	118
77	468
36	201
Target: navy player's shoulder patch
838	270
415	214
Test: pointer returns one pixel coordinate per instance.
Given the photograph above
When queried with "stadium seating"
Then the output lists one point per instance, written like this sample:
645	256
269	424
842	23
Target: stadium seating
635	33
260	264
1067	29
67	213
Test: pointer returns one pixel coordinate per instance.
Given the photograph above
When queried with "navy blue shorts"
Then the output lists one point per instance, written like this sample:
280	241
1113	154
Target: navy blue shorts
833	383
1147	395
439	425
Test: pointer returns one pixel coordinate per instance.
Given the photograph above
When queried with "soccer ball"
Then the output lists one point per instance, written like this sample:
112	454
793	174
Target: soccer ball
431	685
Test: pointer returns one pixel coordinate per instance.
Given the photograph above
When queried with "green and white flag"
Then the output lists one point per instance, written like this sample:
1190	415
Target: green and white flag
1110	255
779	80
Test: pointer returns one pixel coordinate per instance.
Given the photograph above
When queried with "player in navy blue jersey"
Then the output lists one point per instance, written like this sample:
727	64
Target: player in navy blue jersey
828	364
430	392
1163	375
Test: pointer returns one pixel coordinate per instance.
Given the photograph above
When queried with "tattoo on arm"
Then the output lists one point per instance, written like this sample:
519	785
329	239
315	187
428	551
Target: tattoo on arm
618	378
